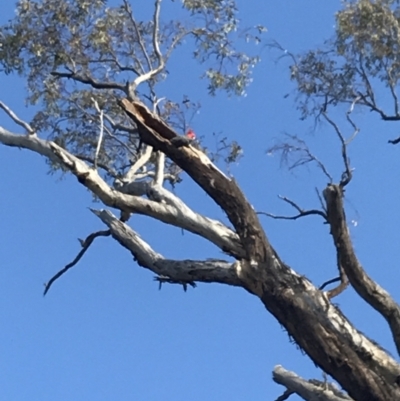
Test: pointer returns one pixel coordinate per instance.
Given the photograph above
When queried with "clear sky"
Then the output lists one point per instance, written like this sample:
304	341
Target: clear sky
104	331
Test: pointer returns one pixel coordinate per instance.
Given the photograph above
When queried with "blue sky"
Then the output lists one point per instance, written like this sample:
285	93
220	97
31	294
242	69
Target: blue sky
104	331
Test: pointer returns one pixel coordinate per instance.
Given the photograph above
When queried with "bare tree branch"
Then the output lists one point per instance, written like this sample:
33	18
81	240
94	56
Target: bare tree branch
213	230
297	149
367	288
140	162
85	246
315	324
302	212
156	47
331	281
310	390
185	271
347	175
129	11
17	120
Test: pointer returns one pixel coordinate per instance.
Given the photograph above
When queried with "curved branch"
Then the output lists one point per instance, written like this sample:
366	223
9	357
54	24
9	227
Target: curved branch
17	120
367	288
129	11
347	175
156	46
302	212
85	246
140	162
212	230
184	271
364	369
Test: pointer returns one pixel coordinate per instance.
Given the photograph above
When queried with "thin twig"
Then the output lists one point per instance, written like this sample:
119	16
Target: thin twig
351	122
85	246
331	281
128	9
302	212
17	120
347	174
393	92
320	200
297	216
119	127
156	46
300	148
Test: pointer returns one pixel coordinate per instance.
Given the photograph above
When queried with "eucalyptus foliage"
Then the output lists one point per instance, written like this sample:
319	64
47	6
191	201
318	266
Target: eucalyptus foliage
81	56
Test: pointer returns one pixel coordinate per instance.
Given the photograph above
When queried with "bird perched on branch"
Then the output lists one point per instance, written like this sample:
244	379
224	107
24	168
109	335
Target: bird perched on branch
184	140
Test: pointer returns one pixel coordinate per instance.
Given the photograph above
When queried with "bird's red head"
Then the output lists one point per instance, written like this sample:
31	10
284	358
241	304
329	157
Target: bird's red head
190	134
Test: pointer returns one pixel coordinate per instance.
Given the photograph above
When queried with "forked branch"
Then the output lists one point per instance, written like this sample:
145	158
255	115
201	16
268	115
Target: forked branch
183	271
301	211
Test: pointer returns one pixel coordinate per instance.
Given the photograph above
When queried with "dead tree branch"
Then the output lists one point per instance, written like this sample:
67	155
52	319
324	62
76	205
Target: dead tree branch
297	150
85	246
302	212
17	120
347	174
185	271
316	325
310	390
367	288
213	230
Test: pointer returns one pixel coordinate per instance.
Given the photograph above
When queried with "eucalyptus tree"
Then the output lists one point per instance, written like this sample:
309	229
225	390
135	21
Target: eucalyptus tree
93	73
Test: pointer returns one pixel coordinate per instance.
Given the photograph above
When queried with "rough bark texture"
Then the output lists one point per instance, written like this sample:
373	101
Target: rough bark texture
366	371
367	288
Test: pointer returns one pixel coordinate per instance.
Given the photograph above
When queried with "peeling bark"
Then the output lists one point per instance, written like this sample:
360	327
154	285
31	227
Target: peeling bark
365	370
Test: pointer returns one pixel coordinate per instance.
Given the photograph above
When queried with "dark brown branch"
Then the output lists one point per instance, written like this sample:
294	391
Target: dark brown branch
85	246
297	216
331	281
315	324
366	288
86	79
302	212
